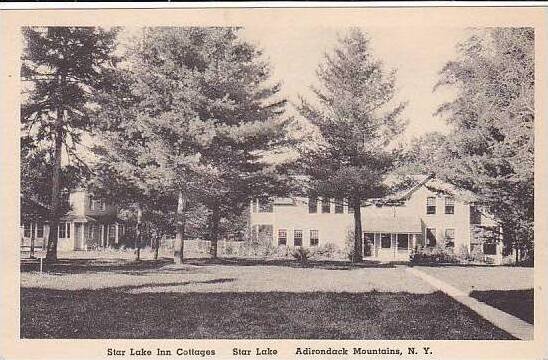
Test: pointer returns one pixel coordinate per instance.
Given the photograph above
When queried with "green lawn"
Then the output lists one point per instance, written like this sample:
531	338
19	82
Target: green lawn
239	299
507	288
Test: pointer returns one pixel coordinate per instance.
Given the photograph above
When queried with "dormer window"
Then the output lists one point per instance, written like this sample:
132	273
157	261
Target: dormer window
326	206
312	205
98	205
449	205
339	207
431	205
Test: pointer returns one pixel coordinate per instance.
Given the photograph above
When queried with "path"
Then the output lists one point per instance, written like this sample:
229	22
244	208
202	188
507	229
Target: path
509	323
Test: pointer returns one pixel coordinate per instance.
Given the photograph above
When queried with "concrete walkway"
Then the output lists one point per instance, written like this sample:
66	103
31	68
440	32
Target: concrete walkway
509	323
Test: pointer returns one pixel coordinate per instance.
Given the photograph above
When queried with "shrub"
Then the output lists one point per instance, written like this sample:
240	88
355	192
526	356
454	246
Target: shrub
436	255
349	244
327	250
301	254
228	249
282	251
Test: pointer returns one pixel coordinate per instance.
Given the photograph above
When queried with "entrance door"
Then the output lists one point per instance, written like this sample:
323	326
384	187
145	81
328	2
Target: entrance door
402	253
386	249
78	238
368	244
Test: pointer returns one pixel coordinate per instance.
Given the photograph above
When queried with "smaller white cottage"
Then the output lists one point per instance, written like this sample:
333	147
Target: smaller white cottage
92	222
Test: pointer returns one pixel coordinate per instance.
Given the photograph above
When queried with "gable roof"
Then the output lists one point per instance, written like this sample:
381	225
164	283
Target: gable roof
416	182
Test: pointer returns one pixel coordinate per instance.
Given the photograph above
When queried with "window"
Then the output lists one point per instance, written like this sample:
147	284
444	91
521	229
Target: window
368	243
350	208
368	238
386	241
449	205
266	205
312	205
326	206
26	230
475	215
63	230
282	237
97	204
40	230
430	237
403	241
490	248
339	208
449	237
430	205
314	237
297	237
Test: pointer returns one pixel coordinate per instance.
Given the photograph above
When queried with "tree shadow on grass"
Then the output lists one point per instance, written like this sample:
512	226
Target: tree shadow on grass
111	313
315	264
145	267
519	303
94	265
175	284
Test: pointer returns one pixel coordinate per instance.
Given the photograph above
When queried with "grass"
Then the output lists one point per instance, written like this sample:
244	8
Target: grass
114	314
519	303
118	298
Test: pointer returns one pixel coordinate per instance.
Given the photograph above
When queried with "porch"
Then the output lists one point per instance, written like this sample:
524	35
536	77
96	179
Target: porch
391	238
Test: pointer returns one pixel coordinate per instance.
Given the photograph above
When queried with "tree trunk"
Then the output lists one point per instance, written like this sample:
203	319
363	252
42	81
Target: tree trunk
215	219
51	253
138	233
357	255
157	247
180	235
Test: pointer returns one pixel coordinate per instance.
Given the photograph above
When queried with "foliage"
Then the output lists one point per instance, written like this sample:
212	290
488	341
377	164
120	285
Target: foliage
490	150
36	181
302	254
435	255
358	124
62	70
349	244
327	251
200	111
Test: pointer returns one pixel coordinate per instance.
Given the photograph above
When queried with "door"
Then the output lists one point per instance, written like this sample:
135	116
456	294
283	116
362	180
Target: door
386	250
78	238
368	244
402	252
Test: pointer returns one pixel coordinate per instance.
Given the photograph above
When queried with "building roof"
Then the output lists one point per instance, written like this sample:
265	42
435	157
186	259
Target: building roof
390	224
78	218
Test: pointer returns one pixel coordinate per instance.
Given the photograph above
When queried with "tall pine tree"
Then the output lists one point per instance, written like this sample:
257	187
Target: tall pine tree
357	122
62	68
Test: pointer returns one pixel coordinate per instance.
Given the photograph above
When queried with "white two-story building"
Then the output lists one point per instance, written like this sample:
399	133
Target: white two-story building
428	214
91	223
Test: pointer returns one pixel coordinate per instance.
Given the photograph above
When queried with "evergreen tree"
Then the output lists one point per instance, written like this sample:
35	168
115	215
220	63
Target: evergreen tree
490	150
199	114
62	68
357	122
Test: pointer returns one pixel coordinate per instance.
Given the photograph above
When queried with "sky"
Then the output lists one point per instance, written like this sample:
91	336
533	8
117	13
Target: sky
418	54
